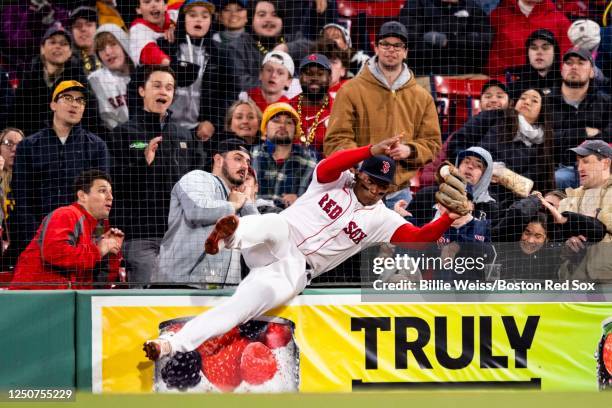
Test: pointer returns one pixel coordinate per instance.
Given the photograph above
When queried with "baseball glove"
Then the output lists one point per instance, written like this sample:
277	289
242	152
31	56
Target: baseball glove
452	193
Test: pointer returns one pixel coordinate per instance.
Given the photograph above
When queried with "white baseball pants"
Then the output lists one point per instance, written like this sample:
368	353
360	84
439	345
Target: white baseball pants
278	273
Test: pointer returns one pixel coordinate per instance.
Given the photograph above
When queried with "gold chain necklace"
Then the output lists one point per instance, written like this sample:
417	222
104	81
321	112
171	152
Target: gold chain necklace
263	49
87	62
311	133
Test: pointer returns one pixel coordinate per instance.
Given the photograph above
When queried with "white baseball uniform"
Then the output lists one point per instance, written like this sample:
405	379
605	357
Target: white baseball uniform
324	227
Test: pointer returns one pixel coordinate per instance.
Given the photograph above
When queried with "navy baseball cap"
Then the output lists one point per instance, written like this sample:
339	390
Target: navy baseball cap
596	147
393	29
56	29
317	59
380	167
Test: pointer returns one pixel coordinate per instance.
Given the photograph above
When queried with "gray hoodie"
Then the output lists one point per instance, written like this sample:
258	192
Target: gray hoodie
403	78
186	105
110	87
480	191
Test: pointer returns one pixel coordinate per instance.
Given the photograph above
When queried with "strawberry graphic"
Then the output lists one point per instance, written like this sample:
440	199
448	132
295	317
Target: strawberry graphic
223	368
212	346
174	327
277	335
257	364
607	353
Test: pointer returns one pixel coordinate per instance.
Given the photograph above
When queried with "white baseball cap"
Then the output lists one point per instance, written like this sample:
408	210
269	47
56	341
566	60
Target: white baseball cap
281	58
584	34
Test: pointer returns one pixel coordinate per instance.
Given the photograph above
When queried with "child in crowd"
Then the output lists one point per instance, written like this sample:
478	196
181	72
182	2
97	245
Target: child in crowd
233	18
109	84
154	23
275	76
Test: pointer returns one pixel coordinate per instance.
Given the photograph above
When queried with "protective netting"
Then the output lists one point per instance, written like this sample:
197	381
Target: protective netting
169	99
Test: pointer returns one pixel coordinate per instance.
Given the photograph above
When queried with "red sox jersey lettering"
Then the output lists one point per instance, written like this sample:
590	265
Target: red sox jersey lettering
355	233
331	208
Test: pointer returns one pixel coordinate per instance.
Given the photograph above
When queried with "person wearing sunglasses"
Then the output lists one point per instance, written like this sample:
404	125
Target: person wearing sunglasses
48	161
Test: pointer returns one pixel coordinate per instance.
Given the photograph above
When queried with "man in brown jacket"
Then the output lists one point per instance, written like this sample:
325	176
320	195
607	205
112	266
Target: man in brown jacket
382	101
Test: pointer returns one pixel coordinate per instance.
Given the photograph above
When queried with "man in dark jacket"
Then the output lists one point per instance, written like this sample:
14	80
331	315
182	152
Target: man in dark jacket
47	162
541	70
446	37
54	65
265	34
205	75
579	112
150	155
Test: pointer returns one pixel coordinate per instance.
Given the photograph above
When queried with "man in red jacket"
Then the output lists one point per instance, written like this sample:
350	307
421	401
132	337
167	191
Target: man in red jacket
513	21
74	245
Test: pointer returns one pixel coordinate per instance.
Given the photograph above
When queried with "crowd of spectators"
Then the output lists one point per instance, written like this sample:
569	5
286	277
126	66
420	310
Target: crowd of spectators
157	118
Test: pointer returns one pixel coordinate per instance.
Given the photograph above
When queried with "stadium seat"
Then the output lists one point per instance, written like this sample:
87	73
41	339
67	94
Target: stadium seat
457	99
375	13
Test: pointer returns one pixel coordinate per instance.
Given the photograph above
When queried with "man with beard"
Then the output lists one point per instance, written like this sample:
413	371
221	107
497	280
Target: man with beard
314	104
197	201
382	101
283	169
264	35
579	112
151	153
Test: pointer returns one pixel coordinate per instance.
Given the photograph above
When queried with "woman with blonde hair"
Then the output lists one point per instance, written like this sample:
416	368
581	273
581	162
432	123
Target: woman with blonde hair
9	139
242	119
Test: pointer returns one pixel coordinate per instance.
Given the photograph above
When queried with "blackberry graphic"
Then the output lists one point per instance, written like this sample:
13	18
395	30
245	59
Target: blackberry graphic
182	371
253	329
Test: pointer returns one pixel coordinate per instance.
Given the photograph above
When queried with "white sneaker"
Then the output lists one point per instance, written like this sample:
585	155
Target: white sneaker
157	348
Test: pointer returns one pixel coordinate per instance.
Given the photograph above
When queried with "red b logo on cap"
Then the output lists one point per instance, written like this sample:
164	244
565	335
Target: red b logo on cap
386	167
312	57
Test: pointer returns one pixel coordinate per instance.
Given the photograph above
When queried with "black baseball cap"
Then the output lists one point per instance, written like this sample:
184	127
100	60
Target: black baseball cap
316	59
541	34
86	12
380	168
393	29
493	82
56	29
594	146
231	144
580	53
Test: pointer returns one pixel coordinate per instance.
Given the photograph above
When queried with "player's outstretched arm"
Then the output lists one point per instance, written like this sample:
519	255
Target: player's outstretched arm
330	168
427	233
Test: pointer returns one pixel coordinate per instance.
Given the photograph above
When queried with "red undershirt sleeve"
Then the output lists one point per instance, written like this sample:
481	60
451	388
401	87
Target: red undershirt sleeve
427	233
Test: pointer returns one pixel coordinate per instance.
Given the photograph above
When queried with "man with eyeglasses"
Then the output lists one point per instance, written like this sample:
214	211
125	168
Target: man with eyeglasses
382	101
47	162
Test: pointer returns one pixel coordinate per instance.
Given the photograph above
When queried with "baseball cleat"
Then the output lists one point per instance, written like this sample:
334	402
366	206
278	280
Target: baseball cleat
224	228
156	349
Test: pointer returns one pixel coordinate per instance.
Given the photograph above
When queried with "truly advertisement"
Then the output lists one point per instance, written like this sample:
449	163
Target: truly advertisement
323	343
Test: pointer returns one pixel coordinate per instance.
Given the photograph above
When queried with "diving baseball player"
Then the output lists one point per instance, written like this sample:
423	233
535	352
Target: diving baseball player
339	215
